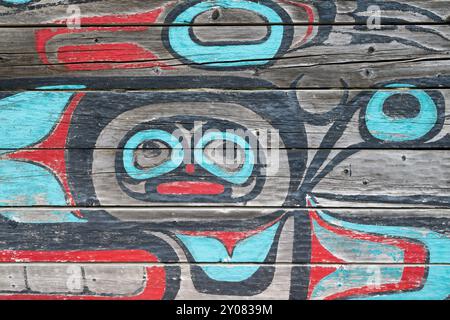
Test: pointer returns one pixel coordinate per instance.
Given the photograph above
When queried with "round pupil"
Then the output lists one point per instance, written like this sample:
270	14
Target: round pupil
227	155
150	154
401	106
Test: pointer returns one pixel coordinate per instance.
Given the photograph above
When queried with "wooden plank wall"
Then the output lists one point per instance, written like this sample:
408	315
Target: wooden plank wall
113	114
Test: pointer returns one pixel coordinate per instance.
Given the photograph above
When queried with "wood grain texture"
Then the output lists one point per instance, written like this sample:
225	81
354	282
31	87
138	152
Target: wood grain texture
113	121
365	57
292	240
56	12
290	119
125	282
374	177
337	249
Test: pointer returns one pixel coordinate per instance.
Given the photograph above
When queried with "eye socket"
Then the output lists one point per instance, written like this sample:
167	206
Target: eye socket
210	154
151	153
226	155
387	121
179	39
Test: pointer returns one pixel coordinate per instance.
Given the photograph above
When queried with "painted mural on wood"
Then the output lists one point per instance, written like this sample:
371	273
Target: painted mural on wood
84	152
75	162
181	42
173	38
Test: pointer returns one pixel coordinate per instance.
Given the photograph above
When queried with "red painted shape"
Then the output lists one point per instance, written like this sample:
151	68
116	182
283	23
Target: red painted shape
319	254
99	256
230	238
155	280
107	56
190	187
316	275
411	280
43	36
51	151
311	18
101	51
190	168
138	18
414	253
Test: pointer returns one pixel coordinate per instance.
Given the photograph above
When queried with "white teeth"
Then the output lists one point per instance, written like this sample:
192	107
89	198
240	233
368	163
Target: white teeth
104	280
54	279
73	280
12	278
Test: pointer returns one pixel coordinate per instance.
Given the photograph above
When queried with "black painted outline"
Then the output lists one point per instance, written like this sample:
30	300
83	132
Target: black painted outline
285	45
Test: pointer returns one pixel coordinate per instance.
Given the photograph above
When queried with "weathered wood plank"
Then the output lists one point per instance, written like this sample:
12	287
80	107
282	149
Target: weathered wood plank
26	52
242	218
217	12
345	236
95	160
359	75
337	177
144	282
338	250
101	199
268	119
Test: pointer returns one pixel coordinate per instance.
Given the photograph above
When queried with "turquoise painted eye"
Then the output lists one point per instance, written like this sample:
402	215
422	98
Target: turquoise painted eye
152	153
418	118
213	154
180	40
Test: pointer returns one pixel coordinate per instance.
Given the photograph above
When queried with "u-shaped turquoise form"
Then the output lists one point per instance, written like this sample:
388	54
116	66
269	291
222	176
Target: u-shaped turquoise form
174	162
16	1
254	249
25	119
391	129
238	177
237	55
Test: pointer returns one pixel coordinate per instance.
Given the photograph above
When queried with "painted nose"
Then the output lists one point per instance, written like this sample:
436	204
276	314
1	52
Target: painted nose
190	169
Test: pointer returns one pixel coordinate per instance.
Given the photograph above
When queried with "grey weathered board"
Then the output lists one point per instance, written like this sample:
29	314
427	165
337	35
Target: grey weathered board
358	58
347	11
364	178
357	207
100	281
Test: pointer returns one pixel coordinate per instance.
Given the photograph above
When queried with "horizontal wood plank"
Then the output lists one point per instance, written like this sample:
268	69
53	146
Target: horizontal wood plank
282	119
365	56
354	248
144	282
337	177
114	117
79	151
324	12
352	236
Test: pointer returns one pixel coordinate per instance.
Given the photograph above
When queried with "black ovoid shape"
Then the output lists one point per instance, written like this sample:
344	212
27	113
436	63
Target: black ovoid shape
96	111
401	106
286	41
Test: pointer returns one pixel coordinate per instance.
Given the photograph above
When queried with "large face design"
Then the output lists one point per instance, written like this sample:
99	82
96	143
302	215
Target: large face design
191	156
190	149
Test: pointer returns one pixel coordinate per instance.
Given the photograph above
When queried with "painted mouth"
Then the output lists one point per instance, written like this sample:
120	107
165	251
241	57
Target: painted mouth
190	188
